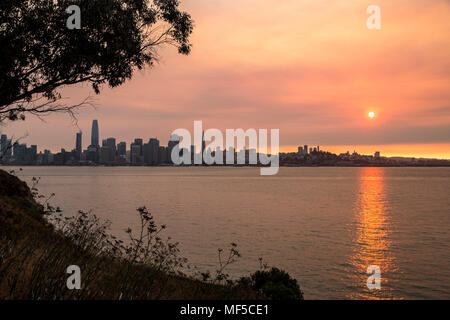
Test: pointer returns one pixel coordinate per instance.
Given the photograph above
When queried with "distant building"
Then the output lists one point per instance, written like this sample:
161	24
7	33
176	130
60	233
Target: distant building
3	144
377	154
92	154
137	146
5	147
111	144
95	134
9	148
252	156
174	141
135	153
241	157
79	143
19	152
151	152
61	158
44	158
230	156
122	149
193	151
31	154
105	153
163	157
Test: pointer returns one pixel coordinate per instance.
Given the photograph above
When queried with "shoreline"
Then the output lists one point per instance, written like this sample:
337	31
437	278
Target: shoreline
245	166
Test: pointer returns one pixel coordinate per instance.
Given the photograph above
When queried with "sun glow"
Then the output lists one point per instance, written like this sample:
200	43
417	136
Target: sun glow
371	114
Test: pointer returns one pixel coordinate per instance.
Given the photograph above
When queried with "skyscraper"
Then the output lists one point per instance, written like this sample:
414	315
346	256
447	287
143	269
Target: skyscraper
94	134
8	151
111	143
3	144
151	152
78	145
162	155
135	153
20	152
174	140
122	149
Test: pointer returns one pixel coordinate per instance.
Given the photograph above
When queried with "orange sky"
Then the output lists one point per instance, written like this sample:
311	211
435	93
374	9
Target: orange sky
310	68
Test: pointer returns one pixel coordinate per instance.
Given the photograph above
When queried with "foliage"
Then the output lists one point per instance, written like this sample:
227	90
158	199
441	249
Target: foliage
35	253
274	284
40	55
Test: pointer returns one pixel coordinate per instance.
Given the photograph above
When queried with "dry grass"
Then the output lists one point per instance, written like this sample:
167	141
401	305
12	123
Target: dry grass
35	254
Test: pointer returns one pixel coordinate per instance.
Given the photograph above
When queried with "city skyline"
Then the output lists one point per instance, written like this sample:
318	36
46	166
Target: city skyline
314	81
230	159
386	150
153	153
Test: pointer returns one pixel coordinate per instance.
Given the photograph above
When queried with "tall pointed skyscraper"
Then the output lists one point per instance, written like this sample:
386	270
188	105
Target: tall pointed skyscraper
94	135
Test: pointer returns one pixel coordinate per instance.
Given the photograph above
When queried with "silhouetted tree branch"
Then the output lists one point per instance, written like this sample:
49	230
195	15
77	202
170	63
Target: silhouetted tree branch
41	106
40	55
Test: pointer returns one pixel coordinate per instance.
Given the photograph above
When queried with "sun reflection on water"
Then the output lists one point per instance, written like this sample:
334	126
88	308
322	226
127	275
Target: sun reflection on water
372	244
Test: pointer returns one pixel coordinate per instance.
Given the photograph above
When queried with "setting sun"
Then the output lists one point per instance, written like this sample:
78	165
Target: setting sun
371	114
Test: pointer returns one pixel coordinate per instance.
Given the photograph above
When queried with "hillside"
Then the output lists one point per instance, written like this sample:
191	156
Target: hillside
34	258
